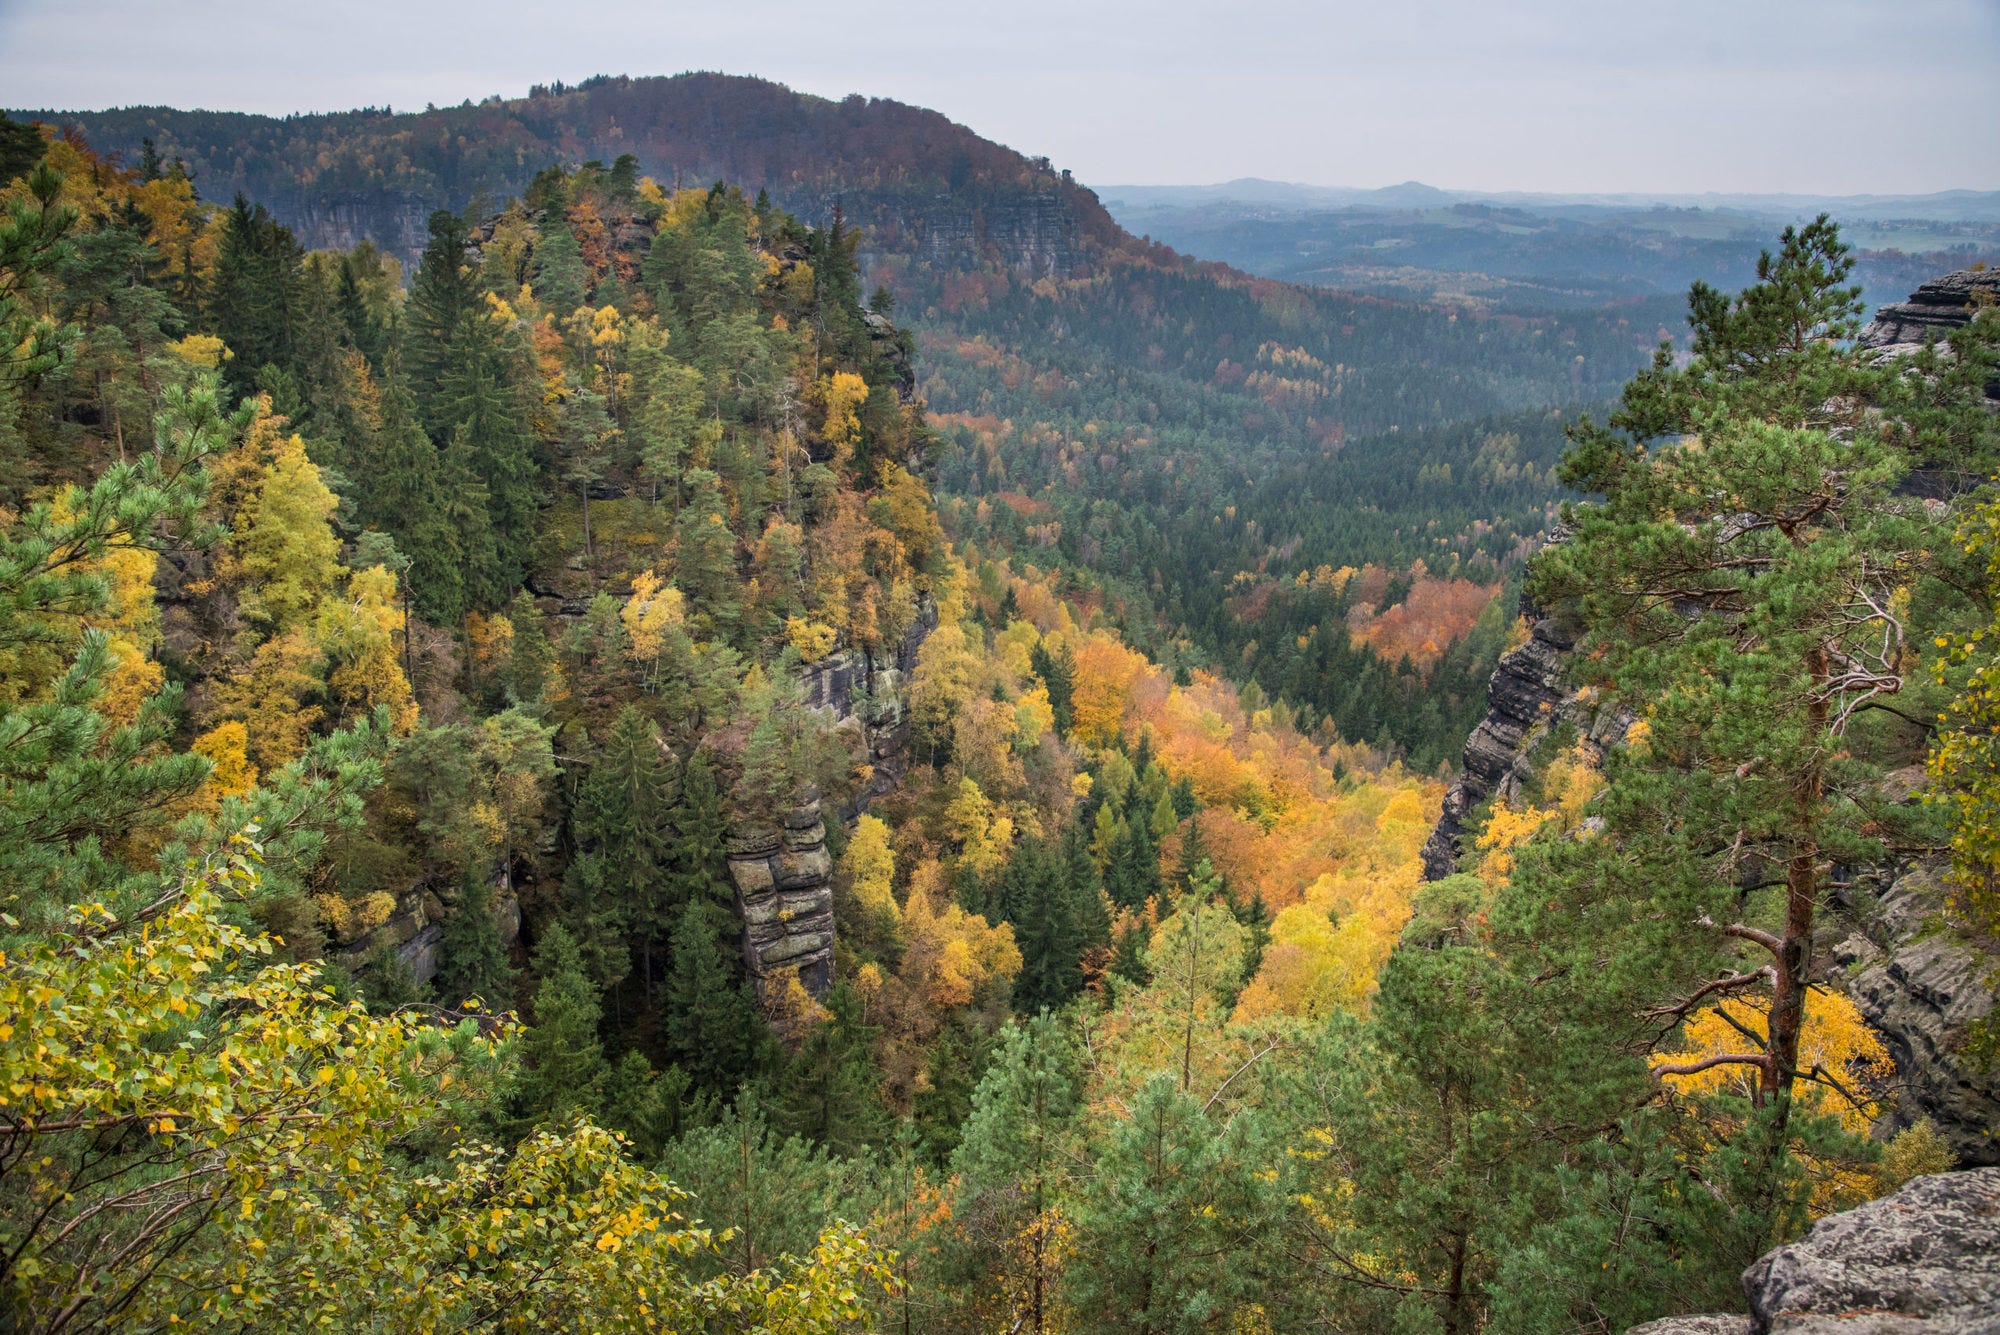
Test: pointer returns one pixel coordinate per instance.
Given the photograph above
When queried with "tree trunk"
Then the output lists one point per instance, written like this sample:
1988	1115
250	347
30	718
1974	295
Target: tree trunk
1794	955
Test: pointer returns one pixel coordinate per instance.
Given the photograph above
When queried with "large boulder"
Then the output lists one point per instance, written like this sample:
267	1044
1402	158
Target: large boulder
1924	1260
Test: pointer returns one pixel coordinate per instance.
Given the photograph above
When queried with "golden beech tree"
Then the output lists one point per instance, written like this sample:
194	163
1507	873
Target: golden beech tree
289	552
359	635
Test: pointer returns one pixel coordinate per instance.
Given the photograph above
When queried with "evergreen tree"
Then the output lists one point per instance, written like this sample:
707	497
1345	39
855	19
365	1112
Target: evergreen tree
472	958
480	398
561	277
1014	1166
697	856
563	1071
1173	1191
621	824
1058	675
710	1025
253	301
404	495
1738	587
830	1090
444	296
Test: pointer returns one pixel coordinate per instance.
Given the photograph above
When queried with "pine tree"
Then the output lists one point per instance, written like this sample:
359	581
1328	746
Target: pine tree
1738	586
1058	674
707	553
697	856
1173	1191
1014	1166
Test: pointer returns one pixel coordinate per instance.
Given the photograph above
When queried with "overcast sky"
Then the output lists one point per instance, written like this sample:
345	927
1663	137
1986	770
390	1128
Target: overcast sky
1810	96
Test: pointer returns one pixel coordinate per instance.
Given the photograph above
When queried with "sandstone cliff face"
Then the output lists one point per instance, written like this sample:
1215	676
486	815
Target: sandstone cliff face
784	876
1920	987
1934	310
1529	696
1925	1259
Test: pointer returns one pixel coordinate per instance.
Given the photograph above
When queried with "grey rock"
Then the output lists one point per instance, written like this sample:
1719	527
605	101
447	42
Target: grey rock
1694	1325
1529	694
1921	996
1925	1258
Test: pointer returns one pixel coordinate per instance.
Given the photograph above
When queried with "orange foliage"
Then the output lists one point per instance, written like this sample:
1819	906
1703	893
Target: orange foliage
1423	625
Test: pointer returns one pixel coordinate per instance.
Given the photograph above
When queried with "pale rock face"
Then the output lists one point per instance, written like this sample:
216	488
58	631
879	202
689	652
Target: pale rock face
1924	1260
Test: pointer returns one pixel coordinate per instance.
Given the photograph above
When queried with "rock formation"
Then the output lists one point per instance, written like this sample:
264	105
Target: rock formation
1920	987
1924	1260
1934	310
1529	697
784	876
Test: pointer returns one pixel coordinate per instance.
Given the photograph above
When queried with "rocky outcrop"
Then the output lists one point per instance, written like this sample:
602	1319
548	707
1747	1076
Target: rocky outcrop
416	929
784	892
1529	696
1934	310
1924	1260
1920	987
784	876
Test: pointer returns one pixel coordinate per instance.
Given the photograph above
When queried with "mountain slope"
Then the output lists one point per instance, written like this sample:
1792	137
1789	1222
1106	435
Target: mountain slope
922	181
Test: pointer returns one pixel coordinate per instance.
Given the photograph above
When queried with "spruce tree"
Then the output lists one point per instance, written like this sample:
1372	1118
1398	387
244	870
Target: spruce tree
443	297
621	824
563	1071
403	494
831	1093
472	958
252	303
561	277
709	1024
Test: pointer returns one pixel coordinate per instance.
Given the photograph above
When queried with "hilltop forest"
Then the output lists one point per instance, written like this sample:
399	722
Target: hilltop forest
522	809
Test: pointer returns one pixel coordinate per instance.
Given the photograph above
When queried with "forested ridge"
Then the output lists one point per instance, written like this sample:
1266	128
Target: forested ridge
340	602
1169	415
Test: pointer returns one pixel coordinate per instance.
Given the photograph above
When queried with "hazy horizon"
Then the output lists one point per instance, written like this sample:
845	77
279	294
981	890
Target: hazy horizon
1815	97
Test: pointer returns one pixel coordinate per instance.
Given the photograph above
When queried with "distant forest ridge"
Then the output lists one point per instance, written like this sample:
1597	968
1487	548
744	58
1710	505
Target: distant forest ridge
1941	205
907	172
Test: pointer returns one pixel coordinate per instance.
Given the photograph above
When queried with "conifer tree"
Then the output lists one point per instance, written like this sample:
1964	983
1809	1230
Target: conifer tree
831	1094
253	301
404	495
480	399
710	1025
563	1071
472	958
1741	585
1014	1167
560	274
621	825
443	298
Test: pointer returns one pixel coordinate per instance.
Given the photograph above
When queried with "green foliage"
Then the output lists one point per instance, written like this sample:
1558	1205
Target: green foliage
563	1070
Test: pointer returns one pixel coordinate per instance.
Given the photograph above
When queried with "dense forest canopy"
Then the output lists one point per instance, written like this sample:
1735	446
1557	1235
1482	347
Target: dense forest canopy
427	691
1177	426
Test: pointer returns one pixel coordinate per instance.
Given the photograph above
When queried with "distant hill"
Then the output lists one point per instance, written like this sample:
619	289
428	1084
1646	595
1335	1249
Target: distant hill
924	184
1979	206
1533	253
